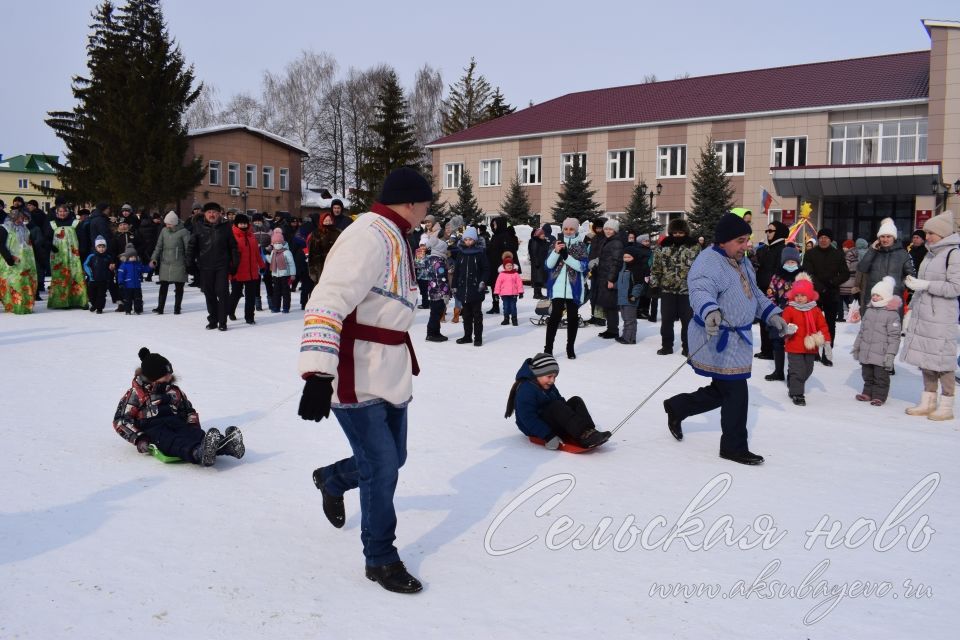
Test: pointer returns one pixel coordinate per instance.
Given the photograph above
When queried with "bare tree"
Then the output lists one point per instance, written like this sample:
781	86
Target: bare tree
243	109
205	111
425	108
360	97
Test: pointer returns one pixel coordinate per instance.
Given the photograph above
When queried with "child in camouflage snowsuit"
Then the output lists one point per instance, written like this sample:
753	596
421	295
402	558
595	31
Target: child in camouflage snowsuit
155	411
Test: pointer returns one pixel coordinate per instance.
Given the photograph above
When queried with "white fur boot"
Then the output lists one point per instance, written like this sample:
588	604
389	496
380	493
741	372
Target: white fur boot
928	402
944	409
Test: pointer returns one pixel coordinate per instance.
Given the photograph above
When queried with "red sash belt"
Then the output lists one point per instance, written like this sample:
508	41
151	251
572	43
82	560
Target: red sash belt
353	331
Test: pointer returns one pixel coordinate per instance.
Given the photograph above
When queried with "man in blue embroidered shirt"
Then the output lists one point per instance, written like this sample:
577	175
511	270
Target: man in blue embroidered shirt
725	301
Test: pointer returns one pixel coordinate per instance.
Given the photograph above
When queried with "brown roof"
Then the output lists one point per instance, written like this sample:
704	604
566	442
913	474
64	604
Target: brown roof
895	77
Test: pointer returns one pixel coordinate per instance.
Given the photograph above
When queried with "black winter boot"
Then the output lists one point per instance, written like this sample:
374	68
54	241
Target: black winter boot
232	443
506	320
513	319
332	506
206	452
394	577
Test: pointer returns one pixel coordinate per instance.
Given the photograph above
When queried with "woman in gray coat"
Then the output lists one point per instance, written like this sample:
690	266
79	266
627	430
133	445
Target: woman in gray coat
931	340
171	254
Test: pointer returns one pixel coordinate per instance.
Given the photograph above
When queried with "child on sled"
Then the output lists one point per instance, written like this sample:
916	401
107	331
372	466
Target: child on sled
154	411
543	413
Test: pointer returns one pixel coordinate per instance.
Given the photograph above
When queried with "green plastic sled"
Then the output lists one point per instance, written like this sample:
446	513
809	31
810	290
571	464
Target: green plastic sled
161	456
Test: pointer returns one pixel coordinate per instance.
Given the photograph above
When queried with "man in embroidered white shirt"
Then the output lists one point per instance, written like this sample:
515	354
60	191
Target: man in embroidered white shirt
357	358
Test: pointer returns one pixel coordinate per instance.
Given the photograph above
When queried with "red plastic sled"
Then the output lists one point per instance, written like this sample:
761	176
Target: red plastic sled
564	446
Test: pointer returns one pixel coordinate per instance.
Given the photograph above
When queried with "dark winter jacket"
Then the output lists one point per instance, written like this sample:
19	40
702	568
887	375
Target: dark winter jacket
97	267
609	256
147	235
145	400
41	234
130	273
342	221
538	249
528	400
893	261
213	247
99	225
768	256
120	242
504	239
320	244
828	268
671	264
84	243
917	254
470	273
630	281
250	261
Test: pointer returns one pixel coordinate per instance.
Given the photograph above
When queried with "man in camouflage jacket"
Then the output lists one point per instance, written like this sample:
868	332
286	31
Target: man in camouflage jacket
668	275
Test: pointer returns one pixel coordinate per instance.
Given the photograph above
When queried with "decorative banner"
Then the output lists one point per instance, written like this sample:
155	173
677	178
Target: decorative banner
804	229
788	216
922	216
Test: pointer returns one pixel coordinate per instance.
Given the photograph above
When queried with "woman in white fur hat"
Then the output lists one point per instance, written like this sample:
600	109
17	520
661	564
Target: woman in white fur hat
885	257
931	337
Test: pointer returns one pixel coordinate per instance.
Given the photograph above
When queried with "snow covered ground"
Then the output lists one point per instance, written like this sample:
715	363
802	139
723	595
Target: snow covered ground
97	541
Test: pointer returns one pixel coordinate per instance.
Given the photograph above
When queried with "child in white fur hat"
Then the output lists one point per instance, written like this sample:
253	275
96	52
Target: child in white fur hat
877	343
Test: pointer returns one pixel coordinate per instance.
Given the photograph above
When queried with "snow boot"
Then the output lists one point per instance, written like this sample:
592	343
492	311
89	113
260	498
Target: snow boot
206	452
456	316
592	438
513	319
928	402
464	340
571	354
944	410
232	443
394	577
506	320
332	506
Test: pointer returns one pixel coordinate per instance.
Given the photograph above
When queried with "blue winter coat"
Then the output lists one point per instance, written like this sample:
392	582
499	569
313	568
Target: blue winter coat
470	269
530	400
565	278
97	267
130	274
714	283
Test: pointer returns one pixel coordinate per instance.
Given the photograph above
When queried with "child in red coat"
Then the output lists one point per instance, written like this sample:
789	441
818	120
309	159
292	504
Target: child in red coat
803	346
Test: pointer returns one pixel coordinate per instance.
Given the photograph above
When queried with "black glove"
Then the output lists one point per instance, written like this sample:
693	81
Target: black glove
315	401
563	253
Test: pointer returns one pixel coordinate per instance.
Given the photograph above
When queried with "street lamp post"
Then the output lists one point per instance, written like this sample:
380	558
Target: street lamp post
243	196
652	193
936	187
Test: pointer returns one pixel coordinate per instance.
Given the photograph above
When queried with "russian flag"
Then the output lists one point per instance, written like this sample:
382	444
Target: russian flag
765	201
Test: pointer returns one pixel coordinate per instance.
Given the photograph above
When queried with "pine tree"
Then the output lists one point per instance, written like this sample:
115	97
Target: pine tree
712	193
393	145
638	217
467	103
437	209
126	139
467	205
498	106
575	199
516	206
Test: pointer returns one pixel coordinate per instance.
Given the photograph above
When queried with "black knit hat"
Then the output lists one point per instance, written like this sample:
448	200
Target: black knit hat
543	364
241	218
338	201
404	185
920	233
729	227
153	366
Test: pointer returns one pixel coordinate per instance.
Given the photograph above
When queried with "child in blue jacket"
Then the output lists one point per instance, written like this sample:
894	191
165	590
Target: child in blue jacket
99	269
129	276
543	413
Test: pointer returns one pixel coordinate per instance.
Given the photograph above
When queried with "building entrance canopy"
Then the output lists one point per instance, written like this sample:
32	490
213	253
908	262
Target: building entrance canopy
912	178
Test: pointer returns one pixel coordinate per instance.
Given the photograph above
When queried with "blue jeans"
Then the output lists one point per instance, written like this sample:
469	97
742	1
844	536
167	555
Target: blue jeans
509	305
378	437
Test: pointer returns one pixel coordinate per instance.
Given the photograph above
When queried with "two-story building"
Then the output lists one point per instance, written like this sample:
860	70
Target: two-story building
860	139
23	175
247	169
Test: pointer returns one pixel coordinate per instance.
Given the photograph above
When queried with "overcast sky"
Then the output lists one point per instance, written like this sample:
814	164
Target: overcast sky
534	49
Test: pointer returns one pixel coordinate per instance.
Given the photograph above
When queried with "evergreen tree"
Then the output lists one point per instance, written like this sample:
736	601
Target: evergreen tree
498	106
392	141
638	216
467	103
517	205
467	205
575	199
712	193
126	139
437	209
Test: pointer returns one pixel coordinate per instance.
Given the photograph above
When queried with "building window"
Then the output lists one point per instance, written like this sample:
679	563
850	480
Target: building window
45	184
672	161
268	177
789	152
213	173
879	142
284	179
529	167
731	156
251	176
23	183
664	218
620	164
489	173
452	174
566	163
233	174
